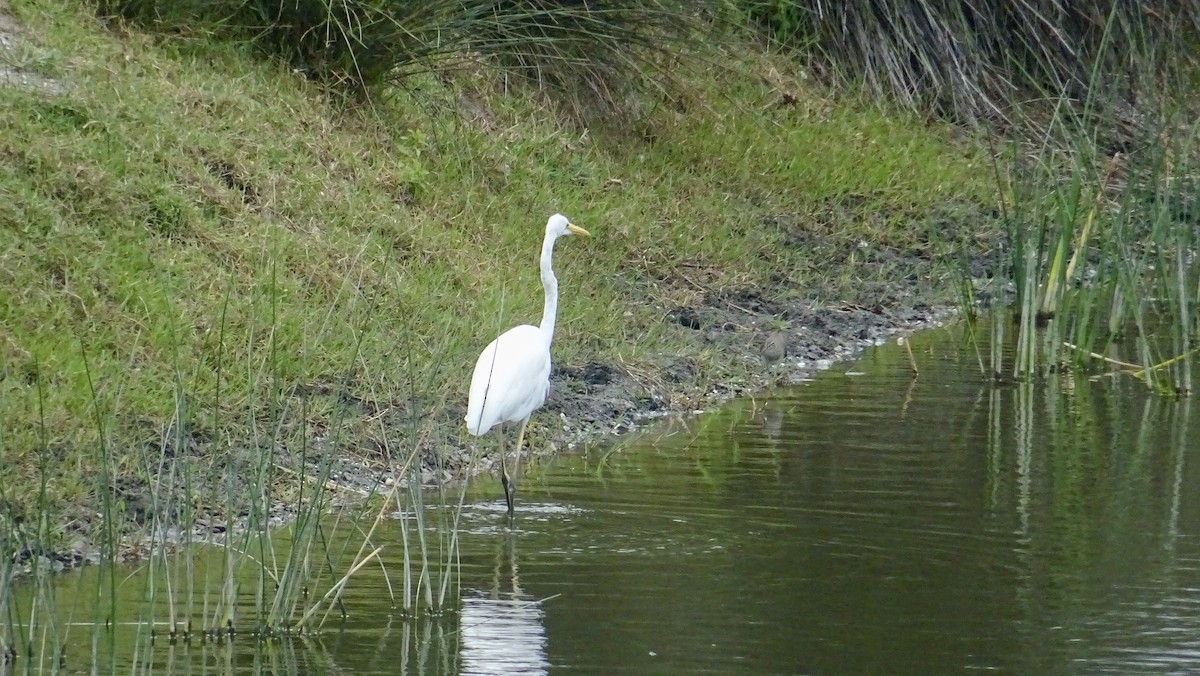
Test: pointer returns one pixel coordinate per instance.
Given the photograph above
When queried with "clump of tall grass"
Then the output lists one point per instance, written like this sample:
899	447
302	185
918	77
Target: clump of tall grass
256	578
980	60
584	55
1102	262
29	622
589	53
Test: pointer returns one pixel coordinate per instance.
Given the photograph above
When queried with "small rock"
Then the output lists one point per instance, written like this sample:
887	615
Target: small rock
686	316
774	346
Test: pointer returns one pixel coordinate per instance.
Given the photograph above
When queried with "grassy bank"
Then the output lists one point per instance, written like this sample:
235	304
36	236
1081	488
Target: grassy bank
203	256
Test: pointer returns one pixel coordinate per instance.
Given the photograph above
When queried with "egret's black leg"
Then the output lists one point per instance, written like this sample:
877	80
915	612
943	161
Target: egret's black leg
505	479
510	488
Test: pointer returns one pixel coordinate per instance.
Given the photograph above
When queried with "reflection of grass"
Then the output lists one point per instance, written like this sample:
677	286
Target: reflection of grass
1083	474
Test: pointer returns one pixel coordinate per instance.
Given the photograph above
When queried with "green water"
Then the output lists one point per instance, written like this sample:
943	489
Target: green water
869	521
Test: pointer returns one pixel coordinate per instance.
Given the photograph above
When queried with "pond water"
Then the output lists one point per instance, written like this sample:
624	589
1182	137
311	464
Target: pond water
870	521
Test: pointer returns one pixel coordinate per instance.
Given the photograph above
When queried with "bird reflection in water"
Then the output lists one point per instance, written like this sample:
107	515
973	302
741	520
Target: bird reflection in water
502	629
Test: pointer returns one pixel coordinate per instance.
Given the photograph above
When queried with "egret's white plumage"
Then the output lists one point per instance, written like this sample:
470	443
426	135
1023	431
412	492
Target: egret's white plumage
511	380
512	374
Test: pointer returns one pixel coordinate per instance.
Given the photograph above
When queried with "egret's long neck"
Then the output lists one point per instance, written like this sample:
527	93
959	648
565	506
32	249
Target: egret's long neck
550	284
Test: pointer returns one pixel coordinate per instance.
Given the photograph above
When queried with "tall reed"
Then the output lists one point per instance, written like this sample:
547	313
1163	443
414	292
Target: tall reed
255	578
1102	262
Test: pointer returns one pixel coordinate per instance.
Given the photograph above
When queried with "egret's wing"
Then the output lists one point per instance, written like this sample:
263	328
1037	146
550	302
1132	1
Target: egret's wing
511	379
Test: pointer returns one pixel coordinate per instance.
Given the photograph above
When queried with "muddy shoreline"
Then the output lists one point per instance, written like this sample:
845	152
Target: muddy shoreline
762	345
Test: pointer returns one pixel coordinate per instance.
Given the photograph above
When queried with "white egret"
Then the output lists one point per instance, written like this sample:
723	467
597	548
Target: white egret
512	375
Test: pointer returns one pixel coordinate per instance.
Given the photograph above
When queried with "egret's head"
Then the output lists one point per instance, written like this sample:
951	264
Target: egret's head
558	225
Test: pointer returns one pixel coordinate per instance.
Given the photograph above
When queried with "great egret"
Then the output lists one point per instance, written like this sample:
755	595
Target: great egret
512	375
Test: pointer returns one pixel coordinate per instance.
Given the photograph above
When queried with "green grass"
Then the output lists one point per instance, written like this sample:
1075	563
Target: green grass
215	239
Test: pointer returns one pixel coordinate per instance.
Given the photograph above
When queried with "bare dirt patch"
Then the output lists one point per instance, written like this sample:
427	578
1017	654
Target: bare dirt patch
12	73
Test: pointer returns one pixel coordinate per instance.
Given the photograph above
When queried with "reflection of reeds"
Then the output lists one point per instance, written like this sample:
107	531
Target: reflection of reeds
1079	473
